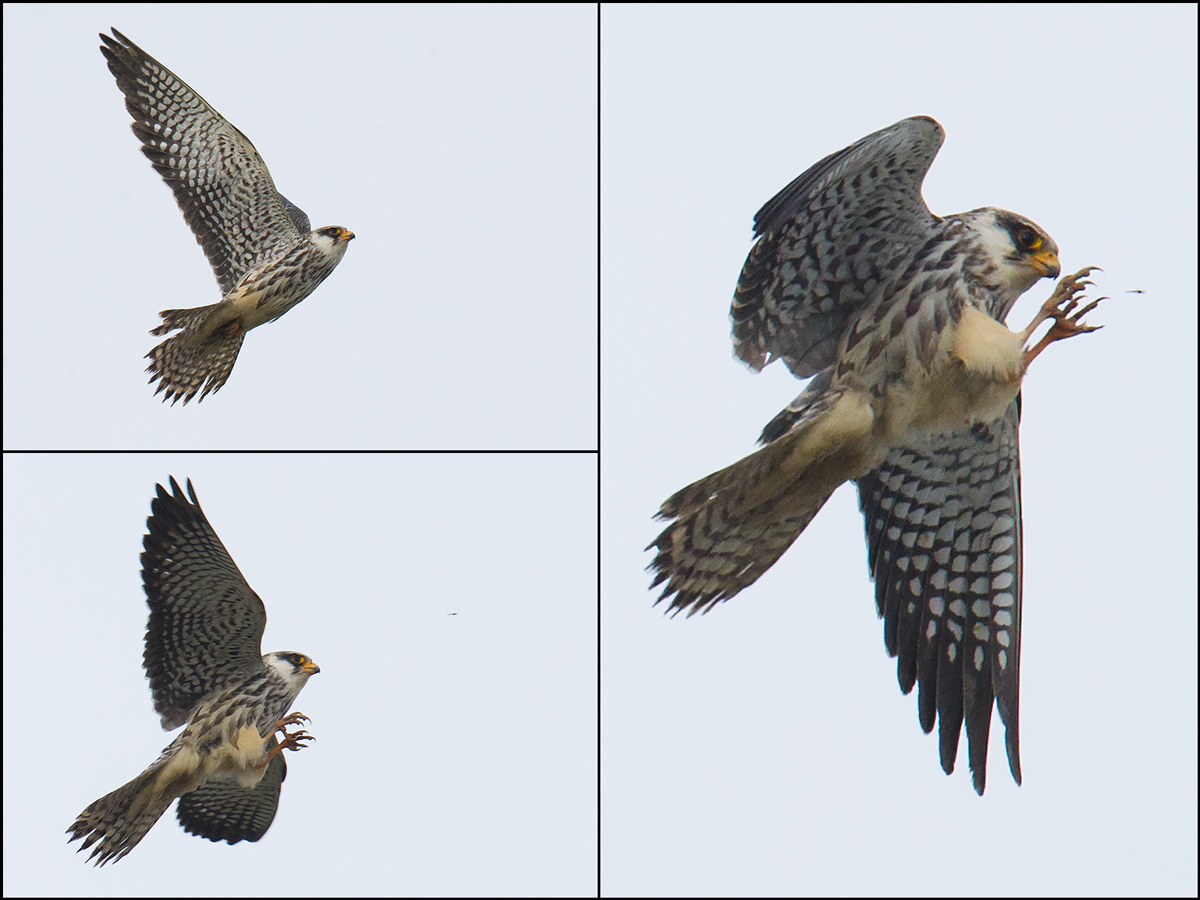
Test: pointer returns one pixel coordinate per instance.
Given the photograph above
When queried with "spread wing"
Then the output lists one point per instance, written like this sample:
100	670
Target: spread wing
220	182
829	243
943	523
206	624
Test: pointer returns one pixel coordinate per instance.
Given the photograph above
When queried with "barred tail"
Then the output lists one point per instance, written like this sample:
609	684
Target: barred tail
713	552
183	318
118	821
191	362
733	525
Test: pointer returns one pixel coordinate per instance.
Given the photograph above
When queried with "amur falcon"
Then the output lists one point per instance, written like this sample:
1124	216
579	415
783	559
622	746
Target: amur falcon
207	672
262	248
898	314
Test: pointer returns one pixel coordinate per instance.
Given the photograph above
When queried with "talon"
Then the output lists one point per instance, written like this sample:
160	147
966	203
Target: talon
1061	307
293	741
290	742
294	719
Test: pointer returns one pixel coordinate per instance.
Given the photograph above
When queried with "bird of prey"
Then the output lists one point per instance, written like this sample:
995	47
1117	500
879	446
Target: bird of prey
898	314
207	671
263	251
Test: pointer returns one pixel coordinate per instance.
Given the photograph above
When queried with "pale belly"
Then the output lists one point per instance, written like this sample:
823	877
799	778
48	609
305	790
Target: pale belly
976	375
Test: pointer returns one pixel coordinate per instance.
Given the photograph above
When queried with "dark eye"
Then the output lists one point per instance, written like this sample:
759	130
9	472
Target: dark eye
1027	239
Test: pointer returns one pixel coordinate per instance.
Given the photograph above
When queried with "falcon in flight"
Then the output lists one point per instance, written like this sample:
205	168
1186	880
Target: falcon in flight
263	251
899	315
206	669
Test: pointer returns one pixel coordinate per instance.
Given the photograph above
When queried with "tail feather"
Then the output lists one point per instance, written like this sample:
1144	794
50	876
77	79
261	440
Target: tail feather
710	555
193	362
183	318
731	526
119	820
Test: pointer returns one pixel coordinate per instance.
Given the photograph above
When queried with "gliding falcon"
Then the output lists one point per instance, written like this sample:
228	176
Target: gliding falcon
898	314
206	672
263	252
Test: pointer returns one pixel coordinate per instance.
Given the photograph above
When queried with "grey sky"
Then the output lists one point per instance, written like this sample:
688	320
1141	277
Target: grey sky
765	749
459	144
454	755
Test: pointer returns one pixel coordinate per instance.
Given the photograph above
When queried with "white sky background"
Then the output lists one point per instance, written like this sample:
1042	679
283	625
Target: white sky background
459	144
765	748
454	755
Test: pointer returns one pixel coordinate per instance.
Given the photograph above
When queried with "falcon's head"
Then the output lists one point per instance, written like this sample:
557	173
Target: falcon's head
294	668
1017	251
332	241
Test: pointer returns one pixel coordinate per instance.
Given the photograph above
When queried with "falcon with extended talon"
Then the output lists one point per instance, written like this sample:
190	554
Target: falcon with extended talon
898	314
262	248
206	671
